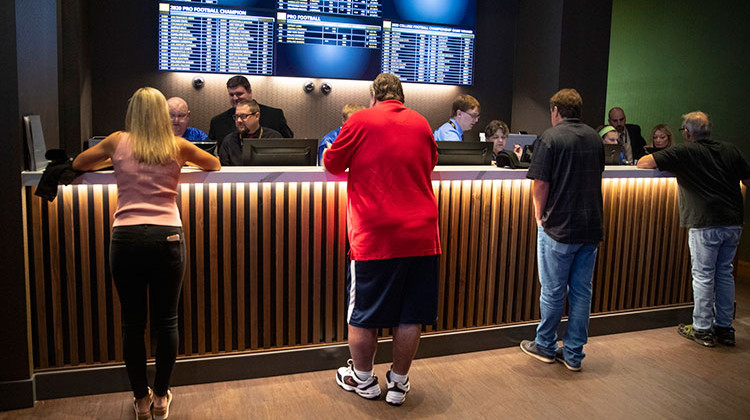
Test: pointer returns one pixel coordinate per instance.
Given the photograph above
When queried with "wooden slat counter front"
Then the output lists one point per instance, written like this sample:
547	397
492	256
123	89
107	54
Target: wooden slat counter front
267	263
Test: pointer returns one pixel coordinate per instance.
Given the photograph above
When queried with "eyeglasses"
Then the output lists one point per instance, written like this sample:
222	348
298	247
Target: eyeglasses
243	116
178	116
472	115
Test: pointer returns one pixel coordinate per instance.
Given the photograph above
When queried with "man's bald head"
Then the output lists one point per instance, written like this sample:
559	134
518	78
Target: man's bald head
180	115
616	109
177	103
617	119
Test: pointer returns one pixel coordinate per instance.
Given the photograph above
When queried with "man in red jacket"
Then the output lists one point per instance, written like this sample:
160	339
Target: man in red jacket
392	221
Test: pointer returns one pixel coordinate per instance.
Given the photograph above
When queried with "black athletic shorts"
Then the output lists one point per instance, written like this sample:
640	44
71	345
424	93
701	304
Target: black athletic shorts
386	293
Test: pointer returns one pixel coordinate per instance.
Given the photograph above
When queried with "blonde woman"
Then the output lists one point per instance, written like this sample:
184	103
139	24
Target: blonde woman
661	136
147	250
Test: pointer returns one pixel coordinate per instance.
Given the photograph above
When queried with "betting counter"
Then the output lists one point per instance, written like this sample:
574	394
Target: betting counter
266	269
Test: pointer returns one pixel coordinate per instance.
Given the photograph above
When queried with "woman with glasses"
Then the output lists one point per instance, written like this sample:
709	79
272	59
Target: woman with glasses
147	249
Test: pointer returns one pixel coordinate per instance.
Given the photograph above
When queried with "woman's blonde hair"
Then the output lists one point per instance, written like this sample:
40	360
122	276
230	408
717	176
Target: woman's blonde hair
150	127
665	129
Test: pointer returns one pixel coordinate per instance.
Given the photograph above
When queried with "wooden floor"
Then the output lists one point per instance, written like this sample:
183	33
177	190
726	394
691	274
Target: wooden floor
648	374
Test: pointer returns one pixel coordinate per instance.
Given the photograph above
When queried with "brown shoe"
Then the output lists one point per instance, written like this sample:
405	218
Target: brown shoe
144	415
161	413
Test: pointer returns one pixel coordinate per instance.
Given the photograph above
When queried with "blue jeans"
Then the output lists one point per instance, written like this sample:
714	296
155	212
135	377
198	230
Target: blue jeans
711	252
564	269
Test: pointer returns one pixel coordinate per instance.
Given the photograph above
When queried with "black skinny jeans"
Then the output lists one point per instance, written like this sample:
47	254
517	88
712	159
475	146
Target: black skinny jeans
148	257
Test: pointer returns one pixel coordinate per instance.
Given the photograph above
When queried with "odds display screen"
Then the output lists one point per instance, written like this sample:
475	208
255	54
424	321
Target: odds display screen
327	46
428	54
214	40
421	41
367	8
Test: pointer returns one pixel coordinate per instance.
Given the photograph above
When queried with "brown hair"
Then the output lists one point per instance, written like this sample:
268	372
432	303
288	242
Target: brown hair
464	103
237	81
568	103
387	86
250	103
495	125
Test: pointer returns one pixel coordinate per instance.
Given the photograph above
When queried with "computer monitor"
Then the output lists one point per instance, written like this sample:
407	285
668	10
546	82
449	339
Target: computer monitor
464	152
612	154
205	145
279	152
93	141
521	139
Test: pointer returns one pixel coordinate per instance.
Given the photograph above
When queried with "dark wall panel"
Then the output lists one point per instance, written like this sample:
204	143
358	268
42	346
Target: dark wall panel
494	61
74	75
15	330
585	52
537	64
37	64
561	44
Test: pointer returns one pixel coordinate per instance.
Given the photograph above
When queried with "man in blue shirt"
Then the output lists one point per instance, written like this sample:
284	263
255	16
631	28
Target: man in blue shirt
180	115
464	114
329	138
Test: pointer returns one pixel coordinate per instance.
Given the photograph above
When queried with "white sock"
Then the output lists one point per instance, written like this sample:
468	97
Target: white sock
395	377
364	375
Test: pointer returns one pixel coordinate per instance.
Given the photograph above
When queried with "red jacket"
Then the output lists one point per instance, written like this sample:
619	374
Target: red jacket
391	210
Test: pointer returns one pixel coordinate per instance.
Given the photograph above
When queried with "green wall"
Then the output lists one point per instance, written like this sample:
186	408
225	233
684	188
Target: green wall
671	57
668	58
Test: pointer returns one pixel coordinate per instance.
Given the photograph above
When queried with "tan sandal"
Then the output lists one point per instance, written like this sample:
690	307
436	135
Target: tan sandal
144	415
161	413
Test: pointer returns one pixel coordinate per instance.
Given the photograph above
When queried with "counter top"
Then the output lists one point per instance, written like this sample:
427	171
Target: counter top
318	174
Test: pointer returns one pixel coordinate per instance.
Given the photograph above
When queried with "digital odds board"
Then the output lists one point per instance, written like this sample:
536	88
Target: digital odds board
420	41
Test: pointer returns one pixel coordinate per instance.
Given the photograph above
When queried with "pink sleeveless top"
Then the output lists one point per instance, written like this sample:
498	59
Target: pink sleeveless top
146	194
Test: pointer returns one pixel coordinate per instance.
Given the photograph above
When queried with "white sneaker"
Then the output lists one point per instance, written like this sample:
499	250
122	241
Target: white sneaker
162	413
396	390
348	380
